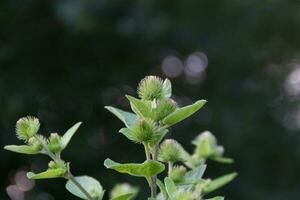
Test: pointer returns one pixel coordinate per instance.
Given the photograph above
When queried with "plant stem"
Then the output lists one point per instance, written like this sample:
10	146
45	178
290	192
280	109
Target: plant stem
147	151
155	157
151	182
73	179
69	175
170	167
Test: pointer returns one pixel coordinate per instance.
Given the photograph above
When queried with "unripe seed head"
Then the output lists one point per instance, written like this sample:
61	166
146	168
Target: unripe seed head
54	143
177	173
27	127
206	144
36	144
164	108
170	151
144	130
150	88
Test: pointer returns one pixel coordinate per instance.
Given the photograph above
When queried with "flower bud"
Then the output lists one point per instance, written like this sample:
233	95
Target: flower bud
36	144
163	108
206	144
54	143
170	151
27	127
144	130
121	189
177	173
150	88
57	164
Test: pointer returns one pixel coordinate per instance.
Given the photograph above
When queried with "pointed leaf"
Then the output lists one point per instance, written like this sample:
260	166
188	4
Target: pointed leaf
218	182
146	169
50	173
222	160
128	133
170	187
195	175
124	197
167	88
69	134
25	149
162	188
183	113
126	117
216	198
91	185
140	107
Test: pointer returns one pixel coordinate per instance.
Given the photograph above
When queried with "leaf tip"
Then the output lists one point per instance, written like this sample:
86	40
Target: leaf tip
30	175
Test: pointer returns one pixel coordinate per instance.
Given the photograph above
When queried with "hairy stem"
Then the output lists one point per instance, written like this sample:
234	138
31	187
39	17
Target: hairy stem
154	178
170	167
151	182
69	176
147	151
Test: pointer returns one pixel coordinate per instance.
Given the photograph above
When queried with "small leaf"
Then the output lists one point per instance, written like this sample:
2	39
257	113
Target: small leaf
140	107
129	134
162	188
167	88
222	160
183	113
218	182
195	175
157	138
91	185
124	197
126	117
69	134
25	149
50	173
146	169
216	198
170	187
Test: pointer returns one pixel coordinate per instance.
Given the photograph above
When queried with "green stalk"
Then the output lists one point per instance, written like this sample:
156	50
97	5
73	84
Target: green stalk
69	176
170	167
151	183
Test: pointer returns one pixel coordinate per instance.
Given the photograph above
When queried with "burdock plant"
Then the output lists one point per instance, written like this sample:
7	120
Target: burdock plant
168	166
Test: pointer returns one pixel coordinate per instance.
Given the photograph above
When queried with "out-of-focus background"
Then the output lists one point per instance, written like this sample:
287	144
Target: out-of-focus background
64	60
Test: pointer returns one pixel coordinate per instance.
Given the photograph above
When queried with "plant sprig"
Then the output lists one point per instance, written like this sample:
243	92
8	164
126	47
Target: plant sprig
154	112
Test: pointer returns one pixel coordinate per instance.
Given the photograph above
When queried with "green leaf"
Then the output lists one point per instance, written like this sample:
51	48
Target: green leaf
195	175
69	134
25	149
157	138
91	185
124	197
167	88
162	188
129	134
183	113
218	183
222	160
170	187
146	169
140	107
216	198
126	117
50	173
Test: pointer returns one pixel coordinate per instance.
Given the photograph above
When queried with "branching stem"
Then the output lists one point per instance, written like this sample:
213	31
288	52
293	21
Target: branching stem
69	175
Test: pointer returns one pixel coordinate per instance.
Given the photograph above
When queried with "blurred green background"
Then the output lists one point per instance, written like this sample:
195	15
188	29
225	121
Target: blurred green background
64	60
